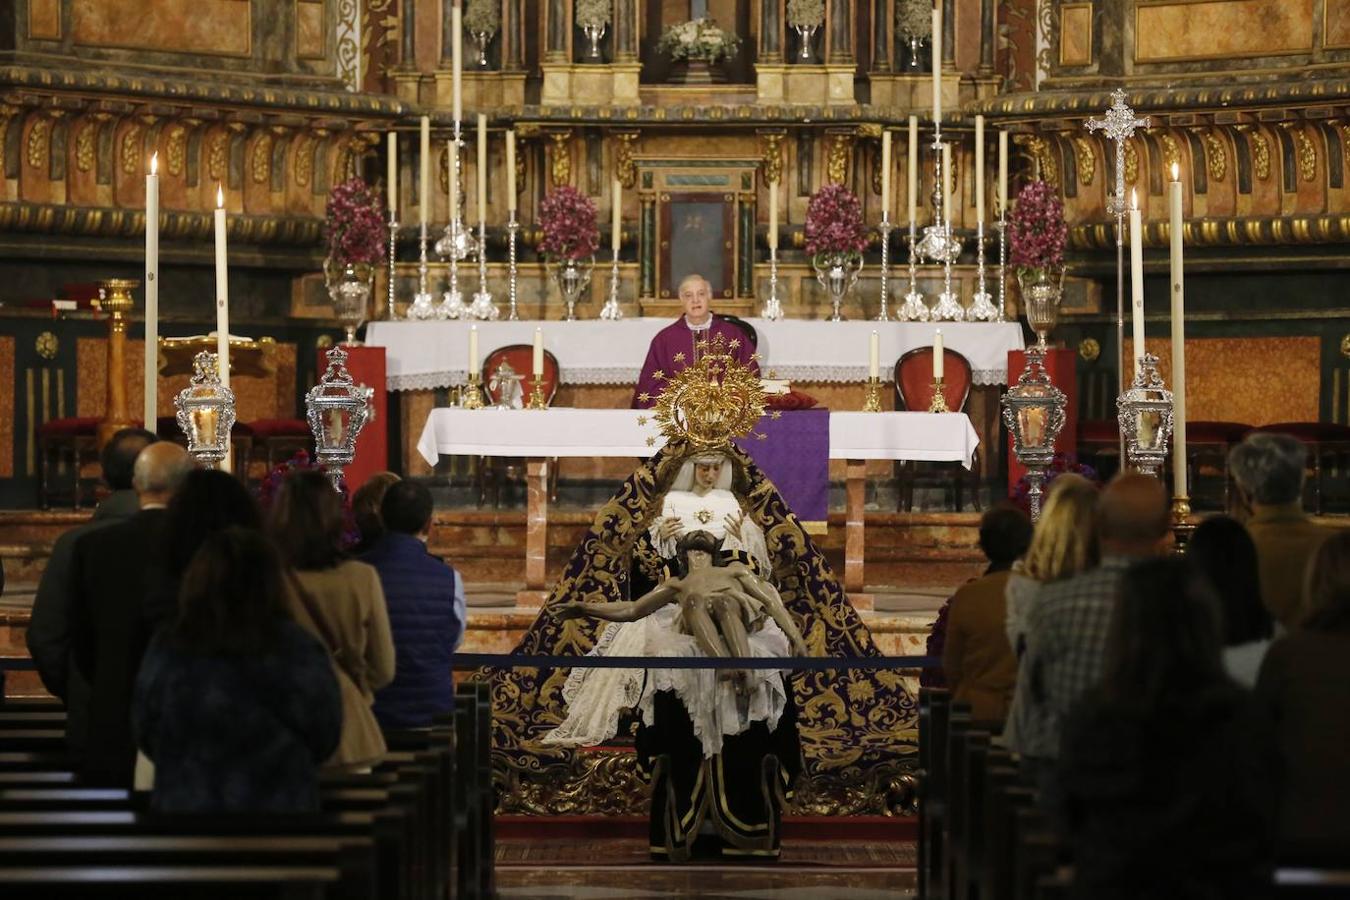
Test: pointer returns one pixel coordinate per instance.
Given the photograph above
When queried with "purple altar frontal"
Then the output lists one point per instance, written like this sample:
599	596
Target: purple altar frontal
795	455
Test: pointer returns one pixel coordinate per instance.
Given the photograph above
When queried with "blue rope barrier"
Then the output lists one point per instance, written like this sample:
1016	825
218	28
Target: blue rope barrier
800	663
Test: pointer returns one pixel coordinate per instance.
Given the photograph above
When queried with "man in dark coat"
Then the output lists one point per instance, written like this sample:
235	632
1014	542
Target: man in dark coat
110	624
425	598
48	634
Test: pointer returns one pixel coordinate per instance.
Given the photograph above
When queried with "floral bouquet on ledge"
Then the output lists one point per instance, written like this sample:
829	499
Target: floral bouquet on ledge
701	39
354	234
835	240
1037	235
571	238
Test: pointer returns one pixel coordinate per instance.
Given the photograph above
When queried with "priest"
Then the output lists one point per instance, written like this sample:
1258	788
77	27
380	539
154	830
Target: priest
674	346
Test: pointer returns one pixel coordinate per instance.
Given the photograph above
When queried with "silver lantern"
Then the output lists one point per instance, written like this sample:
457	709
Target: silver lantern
206	412
1145	416
338	409
1033	410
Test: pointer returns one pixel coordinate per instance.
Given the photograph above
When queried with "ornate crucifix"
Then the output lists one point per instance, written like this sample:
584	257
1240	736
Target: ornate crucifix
1118	125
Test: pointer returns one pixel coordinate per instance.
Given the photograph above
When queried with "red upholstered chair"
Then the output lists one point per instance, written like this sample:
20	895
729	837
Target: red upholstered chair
1326	441
491	471
73	437
914	392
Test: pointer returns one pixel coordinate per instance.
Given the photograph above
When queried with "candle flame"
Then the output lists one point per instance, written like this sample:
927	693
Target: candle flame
1134	198
154	163
1176	172
220	197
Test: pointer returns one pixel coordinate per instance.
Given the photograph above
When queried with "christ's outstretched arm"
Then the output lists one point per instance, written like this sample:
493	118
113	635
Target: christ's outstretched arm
623	611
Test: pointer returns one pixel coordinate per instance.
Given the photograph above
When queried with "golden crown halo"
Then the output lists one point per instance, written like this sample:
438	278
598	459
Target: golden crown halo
711	401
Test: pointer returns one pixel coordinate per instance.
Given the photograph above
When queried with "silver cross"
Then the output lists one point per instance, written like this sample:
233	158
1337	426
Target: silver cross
1118	124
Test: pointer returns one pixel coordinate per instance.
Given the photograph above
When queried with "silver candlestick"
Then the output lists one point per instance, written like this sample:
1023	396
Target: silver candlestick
611	312
773	305
482	307
422	307
913	309
1002	263
982	309
883	314
393	251
512	229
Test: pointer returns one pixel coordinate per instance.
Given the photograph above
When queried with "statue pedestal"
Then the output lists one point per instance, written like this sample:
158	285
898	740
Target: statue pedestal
807	85
615	84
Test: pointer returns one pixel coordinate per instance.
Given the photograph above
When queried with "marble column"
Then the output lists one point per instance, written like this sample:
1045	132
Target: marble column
745	264
513	58
841	32
883	46
409	22
558	29
647	246
948	35
627	15
447	33
988	37
855	532
771	31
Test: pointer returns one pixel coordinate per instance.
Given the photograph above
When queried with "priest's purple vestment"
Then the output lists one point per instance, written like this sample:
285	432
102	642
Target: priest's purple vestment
678	337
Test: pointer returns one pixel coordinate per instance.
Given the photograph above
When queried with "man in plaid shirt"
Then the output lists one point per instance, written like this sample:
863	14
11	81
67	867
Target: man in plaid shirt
1067	625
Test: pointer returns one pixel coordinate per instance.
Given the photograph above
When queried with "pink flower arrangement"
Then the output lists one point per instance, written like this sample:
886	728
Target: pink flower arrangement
354	228
1037	233
834	223
567	218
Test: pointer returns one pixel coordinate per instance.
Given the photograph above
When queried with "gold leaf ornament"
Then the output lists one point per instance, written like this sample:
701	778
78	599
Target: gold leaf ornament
710	402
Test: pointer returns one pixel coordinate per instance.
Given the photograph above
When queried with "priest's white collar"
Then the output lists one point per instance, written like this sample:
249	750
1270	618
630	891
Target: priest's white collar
692	327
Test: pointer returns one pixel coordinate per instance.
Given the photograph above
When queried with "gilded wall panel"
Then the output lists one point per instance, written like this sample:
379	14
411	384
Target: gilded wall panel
211	27
44	20
1336	24
1221	29
1075	34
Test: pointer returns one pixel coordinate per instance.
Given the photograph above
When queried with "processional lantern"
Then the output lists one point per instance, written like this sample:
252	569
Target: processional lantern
206	412
1033	410
1145	416
338	409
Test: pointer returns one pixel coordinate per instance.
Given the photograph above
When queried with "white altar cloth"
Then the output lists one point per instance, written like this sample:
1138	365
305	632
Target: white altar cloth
427	355
562	432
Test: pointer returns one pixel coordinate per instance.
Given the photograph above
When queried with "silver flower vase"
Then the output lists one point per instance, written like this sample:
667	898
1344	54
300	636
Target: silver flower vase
349	287
1042	289
572	276
837	273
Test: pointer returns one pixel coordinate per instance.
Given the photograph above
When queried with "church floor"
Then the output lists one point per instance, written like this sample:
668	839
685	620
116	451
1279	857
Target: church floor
847	870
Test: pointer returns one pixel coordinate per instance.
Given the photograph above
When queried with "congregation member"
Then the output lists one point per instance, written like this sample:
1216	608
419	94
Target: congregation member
676	345
1223	553
1305	685
48	635
425	599
113	571
1269	470
340	602
977	659
1067	625
236	705
1063	544
1163	777
366	510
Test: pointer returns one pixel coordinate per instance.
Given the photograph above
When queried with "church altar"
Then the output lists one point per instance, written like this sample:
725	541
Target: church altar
559	432
434	354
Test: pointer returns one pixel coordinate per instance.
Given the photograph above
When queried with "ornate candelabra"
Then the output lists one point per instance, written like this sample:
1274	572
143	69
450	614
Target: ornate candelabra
773	305
1145	416
982	309
884	314
913	309
473	392
422	307
512	231
482	306
206	412
337	409
1033	410
393	254
456	244
611	312
537	399
872	403
939	402
1002	263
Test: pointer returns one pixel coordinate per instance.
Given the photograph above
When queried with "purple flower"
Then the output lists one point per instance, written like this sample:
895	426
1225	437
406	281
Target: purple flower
270	486
1037	232
834	222
354	228
567	219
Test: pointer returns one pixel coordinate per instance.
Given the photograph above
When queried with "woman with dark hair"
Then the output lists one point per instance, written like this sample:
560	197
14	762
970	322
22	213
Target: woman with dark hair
1223	553
1305	685
366	509
1162	767
235	703
338	600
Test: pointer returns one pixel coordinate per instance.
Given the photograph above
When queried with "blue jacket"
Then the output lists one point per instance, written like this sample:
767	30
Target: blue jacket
425	597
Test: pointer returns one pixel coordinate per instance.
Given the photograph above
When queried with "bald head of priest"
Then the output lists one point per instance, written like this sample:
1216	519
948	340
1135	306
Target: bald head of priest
674	346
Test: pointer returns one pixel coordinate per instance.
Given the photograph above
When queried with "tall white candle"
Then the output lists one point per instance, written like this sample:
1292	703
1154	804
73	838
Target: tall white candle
391	175
452	177
473	348
948	208
1179	486
1002	172
874	357
424	173
912	188
511	170
979	169
150	413
482	167
222	292
773	217
937	62
885	174
537	366
1137	278
616	213
938	352
457	64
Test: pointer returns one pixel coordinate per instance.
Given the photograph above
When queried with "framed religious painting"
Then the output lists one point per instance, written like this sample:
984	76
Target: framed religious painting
697	236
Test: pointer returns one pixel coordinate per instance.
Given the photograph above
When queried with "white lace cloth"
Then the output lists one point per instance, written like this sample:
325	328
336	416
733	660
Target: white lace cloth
597	697
429	355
